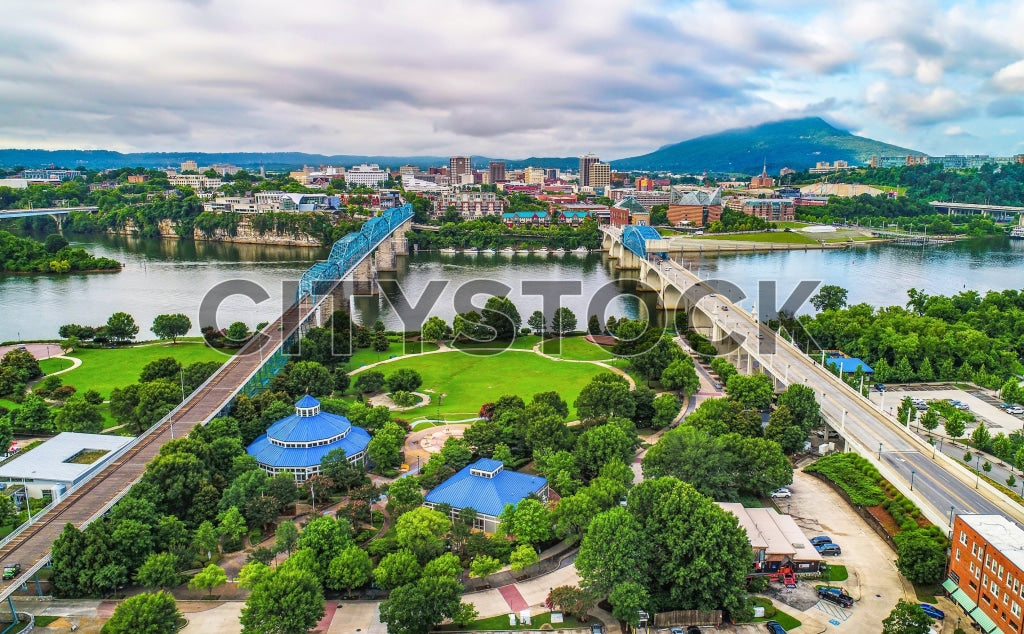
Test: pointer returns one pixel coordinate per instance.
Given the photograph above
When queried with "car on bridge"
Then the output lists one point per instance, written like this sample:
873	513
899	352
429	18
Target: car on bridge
11	571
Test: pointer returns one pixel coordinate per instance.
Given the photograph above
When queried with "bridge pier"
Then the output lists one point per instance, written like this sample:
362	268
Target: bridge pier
364	278
386	256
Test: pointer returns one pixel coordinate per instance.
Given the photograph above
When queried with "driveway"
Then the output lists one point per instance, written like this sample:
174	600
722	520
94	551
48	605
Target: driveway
874	581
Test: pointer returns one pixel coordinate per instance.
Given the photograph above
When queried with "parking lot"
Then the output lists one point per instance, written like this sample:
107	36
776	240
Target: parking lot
984	406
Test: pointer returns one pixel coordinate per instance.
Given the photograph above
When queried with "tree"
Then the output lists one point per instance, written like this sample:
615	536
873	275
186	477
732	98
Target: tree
906	412
528	521
379	341
419	531
571	600
537	322
282	488
164	368
405	379
483	566
369	381
351	569
906	618
829	297
285	536
78	415
154	613
563	322
325	537
523	556
681	376
981	438
397	569
171	326
955	426
612	551
501	314
206	539
385	447
930	419
594	325
628	600
416	608
33	416
605	395
922	558
159	571
121	327
310	377
299	590
208	578
599	445
754	391
252	573
232	529
436	329
237	332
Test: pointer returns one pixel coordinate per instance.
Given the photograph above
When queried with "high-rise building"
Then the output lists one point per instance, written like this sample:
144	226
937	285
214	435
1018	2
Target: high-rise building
457	166
189	166
586	162
496	169
600	176
533	176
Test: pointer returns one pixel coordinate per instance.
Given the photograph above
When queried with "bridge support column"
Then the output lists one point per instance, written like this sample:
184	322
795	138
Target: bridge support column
364	278
39	586
385	258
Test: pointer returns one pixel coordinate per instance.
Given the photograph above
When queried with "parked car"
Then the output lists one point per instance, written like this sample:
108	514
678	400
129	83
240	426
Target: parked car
693	629
829	549
775	628
933	611
782	493
675	630
820	539
11	571
837	596
880	387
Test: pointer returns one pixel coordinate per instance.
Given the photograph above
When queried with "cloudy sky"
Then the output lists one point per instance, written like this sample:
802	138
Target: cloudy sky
504	77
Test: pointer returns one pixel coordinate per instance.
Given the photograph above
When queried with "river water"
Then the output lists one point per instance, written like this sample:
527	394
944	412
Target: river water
170	276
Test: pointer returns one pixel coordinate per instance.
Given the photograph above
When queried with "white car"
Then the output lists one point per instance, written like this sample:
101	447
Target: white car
782	493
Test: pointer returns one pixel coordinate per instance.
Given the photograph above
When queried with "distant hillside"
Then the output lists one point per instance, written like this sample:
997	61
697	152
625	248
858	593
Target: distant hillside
103	159
795	143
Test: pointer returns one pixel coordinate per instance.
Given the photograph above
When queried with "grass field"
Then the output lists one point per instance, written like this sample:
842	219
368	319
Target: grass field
49	366
772	613
836	572
500	623
366	356
526	342
103	369
470	380
778	237
576	348
787	224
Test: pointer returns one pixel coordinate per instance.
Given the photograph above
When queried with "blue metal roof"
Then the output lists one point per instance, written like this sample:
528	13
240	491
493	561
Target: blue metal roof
307	401
487	495
487	464
273	455
295	428
849	364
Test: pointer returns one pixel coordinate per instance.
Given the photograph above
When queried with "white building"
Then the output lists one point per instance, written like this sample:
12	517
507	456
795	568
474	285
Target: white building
52	468
241	205
534	175
366	175
197	182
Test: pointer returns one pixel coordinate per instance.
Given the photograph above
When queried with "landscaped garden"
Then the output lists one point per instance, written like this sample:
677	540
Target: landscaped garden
576	348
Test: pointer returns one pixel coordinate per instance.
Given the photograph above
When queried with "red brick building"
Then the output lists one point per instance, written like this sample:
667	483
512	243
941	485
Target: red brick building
986	571
770	208
697	207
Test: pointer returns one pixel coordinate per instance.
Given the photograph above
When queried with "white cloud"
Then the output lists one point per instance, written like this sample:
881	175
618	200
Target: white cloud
496	77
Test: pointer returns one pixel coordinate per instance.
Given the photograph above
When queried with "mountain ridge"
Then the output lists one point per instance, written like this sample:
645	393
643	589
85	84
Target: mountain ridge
794	143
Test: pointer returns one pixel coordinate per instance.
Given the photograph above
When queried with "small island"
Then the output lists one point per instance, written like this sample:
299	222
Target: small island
26	255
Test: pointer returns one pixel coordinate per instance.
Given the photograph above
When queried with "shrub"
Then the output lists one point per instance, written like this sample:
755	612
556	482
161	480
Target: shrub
848	472
402	398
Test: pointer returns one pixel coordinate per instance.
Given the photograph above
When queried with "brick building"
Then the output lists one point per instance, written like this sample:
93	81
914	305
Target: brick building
770	208
986	571
696	207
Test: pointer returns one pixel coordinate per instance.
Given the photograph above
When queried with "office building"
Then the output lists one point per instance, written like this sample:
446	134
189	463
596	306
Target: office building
366	175
534	175
189	166
586	162
771	209
986	571
457	166
496	170
600	177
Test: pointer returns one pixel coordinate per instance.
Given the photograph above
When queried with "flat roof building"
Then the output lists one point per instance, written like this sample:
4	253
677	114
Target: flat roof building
49	470
986	571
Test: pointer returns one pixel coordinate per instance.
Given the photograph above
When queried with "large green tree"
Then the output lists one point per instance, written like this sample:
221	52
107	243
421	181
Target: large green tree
171	326
502	315
146	613
906	618
921	557
122	327
829	297
286	600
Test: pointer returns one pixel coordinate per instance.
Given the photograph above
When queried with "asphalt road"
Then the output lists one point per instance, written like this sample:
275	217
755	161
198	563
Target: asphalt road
869	431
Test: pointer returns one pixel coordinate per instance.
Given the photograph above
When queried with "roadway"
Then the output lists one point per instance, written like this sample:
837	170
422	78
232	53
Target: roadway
937	484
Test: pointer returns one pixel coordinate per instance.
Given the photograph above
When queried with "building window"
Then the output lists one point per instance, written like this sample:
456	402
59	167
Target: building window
1000	575
478	523
1015	609
958	554
994	588
971	567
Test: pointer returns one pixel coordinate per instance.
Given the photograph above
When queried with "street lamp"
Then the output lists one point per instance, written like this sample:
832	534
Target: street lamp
879	451
911	479
977	471
951	509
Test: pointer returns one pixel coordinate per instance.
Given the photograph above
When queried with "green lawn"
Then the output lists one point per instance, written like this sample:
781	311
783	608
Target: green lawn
104	369
500	623
779	237
576	348
366	356
772	613
926	593
786	224
524	342
836	572
49	366
470	380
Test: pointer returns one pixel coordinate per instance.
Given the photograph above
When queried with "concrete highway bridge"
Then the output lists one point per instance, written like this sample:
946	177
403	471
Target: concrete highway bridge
57	213
352	264
939	486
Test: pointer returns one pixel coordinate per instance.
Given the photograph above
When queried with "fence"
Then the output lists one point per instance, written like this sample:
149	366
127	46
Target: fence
688	617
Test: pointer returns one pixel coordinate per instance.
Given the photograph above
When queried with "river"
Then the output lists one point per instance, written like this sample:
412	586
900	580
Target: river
169	276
